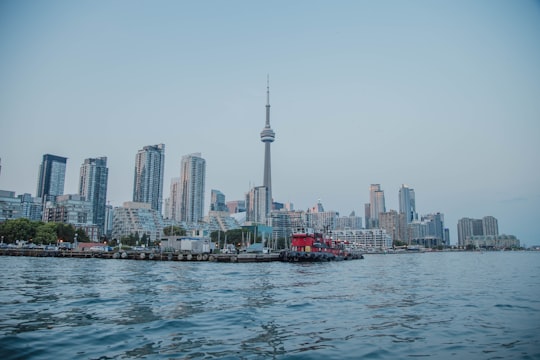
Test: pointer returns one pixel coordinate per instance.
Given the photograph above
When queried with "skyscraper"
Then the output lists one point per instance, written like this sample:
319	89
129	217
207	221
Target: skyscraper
407	203
191	194
267	137
93	186
490	225
377	206
256	201
367	215
467	227
173	206
52	174
217	201
148	180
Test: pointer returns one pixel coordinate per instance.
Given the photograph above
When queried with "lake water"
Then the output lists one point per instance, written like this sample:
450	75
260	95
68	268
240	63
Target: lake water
430	305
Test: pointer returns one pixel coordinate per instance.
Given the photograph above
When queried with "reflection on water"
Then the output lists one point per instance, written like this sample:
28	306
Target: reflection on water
441	305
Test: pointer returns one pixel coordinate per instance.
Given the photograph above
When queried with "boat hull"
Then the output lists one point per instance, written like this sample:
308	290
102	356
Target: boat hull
304	256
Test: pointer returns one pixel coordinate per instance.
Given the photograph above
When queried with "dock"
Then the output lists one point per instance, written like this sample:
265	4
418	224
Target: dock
144	255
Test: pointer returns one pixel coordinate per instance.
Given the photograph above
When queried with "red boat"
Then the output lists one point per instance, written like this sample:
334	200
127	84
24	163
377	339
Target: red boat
310	246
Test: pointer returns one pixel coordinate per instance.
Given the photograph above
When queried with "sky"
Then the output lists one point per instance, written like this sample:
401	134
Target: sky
441	96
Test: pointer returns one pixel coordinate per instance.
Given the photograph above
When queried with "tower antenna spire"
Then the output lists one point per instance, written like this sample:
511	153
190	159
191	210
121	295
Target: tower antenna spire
267	101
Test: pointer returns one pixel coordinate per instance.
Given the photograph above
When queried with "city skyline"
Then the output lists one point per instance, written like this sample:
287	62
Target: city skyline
189	187
442	97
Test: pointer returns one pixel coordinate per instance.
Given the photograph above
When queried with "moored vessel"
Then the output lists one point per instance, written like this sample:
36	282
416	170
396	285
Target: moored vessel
310	246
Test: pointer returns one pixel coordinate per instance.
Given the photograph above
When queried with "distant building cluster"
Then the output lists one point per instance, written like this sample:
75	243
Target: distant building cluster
483	233
149	213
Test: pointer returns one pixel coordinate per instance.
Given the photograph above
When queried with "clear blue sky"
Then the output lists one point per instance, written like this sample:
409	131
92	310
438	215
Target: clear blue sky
442	96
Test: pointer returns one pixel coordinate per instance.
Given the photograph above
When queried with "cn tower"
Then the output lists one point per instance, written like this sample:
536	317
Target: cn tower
267	137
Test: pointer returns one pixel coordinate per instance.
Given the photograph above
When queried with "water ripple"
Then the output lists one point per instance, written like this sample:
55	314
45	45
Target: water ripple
393	306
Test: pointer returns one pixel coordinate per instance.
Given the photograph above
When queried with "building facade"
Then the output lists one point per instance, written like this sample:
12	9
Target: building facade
148	179
172	203
192	185
72	209
236	206
366	239
389	221
377	204
322	221
10	206
490	226
407	203
137	218
93	187
257	206
468	228
492	241
349	222
31	207
217	201
52	174
429	231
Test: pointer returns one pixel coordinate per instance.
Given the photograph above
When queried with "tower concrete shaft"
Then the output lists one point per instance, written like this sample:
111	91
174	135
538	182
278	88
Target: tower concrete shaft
267	137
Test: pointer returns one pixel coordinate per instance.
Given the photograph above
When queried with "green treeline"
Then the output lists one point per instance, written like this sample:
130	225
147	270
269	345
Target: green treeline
39	232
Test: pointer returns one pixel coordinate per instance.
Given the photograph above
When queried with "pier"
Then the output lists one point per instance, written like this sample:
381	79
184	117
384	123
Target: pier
144	255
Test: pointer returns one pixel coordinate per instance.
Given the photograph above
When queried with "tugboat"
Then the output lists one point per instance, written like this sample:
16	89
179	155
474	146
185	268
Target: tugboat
310	246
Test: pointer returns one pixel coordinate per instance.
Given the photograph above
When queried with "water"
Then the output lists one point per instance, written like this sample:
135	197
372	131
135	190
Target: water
432	305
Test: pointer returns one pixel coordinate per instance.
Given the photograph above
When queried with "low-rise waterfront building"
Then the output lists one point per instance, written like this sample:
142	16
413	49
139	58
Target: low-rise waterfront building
68	209
348	222
137	217
221	220
31	207
72	209
468	227
367	239
10	206
492	241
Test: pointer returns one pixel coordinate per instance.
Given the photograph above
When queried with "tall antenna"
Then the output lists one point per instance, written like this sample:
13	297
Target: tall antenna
267	89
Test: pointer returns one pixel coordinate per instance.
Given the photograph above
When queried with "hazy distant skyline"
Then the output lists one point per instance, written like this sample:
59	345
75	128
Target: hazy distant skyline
441	96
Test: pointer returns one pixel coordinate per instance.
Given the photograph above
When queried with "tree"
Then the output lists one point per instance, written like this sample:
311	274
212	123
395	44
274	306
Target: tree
81	235
233	236
398	243
66	232
46	233
18	229
144	239
174	231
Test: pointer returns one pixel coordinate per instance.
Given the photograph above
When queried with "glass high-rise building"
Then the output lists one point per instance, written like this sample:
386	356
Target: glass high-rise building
217	201
377	205
148	181
257	205
191	193
52	175
93	179
407	203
